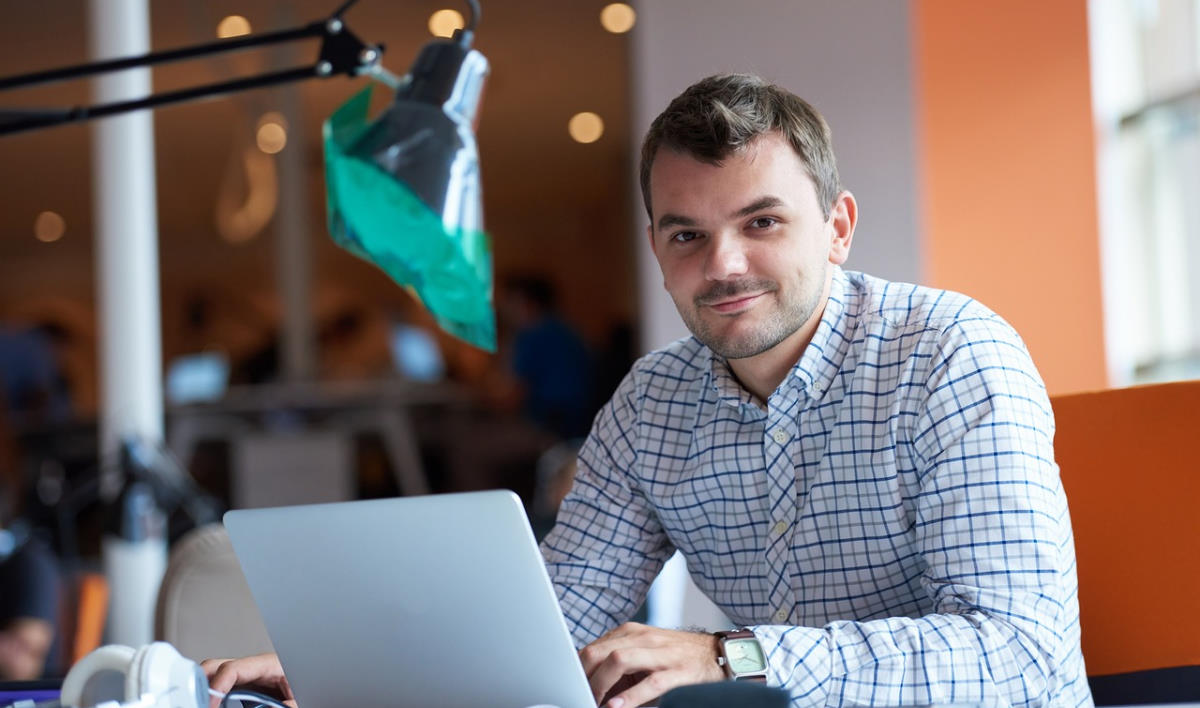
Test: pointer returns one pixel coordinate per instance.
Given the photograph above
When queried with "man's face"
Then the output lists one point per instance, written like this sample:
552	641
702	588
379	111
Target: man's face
744	247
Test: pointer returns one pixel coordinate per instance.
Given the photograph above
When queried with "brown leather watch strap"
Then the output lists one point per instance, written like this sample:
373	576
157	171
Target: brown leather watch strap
736	634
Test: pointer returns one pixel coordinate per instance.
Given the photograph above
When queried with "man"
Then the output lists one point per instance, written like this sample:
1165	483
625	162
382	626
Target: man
859	473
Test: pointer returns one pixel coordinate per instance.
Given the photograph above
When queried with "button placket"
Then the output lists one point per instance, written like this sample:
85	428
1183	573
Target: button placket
782	512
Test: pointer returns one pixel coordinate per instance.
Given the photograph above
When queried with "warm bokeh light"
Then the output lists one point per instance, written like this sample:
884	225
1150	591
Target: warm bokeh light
586	127
443	23
233	26
618	18
272	133
49	227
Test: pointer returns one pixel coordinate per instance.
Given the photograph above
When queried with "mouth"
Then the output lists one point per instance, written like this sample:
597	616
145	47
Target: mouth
736	304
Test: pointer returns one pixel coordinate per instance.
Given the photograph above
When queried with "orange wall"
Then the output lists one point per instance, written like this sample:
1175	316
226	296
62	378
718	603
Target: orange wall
1008	172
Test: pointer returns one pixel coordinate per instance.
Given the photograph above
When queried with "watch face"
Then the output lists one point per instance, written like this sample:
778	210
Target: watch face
745	656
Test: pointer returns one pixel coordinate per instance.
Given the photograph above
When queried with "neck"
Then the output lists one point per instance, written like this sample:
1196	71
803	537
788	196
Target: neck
762	373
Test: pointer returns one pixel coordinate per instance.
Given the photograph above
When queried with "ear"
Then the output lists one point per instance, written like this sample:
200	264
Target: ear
650	238
842	220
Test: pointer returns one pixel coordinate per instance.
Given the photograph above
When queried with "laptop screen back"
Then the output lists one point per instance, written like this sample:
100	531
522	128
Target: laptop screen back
417	601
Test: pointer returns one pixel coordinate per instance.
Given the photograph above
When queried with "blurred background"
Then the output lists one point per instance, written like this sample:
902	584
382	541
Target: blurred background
1041	157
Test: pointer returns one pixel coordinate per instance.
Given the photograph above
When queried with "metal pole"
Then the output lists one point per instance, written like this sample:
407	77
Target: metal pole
293	248
293	238
127	300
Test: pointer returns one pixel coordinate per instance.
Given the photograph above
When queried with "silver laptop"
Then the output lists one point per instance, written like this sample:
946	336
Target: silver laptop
421	601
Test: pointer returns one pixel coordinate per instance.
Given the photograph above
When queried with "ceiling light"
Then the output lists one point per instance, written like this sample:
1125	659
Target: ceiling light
272	133
233	26
443	23
618	18
586	127
49	227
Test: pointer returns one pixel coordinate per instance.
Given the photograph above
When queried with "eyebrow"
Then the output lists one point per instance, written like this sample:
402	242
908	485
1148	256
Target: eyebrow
767	202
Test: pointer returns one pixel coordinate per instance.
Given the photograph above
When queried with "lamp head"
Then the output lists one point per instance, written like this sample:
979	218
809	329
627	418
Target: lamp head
404	190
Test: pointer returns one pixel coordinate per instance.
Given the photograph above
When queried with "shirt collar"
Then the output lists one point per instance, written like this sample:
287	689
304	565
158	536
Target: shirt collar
822	358
818	365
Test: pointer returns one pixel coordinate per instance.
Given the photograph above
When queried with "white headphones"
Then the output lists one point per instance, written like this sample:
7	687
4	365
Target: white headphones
155	676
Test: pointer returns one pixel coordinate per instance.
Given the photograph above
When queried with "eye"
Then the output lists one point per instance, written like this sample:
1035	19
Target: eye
763	222
684	236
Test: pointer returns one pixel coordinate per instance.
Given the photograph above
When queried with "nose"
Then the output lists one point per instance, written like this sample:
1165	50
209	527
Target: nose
726	257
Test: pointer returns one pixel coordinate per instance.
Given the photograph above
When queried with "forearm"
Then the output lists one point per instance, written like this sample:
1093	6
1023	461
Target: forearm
598	592
937	659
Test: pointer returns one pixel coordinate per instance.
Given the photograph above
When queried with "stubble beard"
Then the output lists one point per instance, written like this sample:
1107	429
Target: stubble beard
788	316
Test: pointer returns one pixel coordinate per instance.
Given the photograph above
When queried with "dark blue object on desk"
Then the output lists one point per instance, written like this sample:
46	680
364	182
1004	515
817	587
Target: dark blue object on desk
740	694
743	694
36	691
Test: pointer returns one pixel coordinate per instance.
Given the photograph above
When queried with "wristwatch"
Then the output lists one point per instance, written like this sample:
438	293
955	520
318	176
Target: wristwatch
742	656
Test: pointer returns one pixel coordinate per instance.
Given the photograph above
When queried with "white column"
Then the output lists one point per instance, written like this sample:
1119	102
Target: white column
127	297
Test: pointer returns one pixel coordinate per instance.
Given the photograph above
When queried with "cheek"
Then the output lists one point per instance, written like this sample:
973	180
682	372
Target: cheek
677	274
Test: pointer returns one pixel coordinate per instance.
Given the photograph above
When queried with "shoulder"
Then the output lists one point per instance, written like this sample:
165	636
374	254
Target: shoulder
676	365
946	334
908	306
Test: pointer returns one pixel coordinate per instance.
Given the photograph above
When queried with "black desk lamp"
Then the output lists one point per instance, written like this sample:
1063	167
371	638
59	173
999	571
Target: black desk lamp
403	190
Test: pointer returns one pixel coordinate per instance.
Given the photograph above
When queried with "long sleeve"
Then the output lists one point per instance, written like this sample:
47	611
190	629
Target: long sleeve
992	529
607	545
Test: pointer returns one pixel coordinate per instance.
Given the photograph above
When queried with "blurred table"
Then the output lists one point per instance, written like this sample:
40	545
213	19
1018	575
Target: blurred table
292	442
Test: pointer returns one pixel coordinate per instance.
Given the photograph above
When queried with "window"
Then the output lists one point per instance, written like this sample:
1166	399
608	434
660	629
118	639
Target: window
1146	94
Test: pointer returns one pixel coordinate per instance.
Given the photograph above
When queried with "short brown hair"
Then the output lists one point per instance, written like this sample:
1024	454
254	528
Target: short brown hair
721	114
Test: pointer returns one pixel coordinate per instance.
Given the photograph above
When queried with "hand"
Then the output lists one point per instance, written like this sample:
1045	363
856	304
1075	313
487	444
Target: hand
657	660
261	672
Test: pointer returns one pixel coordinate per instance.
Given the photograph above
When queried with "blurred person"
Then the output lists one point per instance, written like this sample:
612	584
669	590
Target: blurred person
33	388
549	361
354	345
30	580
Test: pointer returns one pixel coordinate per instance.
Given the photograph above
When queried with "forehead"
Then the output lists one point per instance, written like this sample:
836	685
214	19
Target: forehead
682	184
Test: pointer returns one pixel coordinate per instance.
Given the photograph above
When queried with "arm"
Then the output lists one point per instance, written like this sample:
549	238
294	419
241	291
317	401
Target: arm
991	525
607	545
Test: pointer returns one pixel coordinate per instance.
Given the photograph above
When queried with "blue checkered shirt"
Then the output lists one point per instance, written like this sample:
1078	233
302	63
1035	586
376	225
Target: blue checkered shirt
890	525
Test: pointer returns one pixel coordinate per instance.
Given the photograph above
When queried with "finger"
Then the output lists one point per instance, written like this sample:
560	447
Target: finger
261	670
620	663
625	630
210	666
223	677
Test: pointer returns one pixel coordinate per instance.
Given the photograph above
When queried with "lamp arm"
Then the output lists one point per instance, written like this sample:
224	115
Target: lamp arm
220	47
341	53
468	32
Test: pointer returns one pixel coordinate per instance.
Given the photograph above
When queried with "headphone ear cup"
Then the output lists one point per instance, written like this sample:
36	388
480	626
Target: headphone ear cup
159	671
98	677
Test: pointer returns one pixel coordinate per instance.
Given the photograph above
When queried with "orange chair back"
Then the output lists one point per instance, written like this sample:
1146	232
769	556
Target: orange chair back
1130	462
91	615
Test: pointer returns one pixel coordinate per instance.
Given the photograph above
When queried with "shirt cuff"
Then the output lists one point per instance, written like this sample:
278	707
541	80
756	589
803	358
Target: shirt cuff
799	659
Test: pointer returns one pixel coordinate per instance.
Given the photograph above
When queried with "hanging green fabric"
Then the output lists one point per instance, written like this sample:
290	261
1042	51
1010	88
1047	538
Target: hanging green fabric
379	219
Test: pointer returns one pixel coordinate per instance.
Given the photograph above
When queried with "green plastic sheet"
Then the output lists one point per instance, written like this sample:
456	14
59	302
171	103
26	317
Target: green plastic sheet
380	220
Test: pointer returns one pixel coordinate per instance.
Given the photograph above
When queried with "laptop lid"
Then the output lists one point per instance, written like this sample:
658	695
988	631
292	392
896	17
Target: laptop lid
438	600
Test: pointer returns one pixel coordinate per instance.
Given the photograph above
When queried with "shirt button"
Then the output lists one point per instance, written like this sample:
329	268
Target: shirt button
779	528
780	615
780	436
